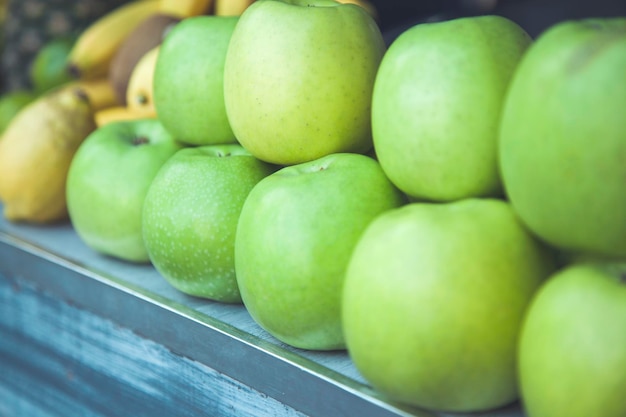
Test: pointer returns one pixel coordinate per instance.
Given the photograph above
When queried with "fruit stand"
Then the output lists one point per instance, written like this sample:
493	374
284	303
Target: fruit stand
382	218
84	334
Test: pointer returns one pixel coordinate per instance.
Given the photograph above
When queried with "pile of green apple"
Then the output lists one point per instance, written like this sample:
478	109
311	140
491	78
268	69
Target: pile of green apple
450	209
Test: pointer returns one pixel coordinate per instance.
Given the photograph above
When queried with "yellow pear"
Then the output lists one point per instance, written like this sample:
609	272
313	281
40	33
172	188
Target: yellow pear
36	150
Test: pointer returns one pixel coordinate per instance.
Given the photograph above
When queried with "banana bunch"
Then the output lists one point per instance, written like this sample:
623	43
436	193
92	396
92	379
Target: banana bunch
139	95
99	91
231	7
186	8
95	47
90	58
4	4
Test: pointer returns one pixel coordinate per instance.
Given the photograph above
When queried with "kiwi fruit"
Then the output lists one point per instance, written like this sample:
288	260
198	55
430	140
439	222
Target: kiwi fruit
147	35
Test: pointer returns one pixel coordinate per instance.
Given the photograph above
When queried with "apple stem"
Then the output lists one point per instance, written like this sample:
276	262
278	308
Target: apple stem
140	140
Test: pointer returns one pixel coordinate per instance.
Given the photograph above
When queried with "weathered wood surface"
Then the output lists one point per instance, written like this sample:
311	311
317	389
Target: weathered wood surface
59	360
212	357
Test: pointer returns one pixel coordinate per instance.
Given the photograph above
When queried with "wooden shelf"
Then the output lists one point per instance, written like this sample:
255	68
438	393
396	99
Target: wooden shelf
89	330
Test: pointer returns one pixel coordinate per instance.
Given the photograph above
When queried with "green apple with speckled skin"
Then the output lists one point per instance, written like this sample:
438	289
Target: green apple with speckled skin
190	217
295	235
189	80
108	181
572	352
563	137
298	79
437	103
434	299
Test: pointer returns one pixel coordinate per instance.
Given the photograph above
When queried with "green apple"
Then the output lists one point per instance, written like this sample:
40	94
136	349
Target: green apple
563	137
298	79
107	183
295	235
433	302
572	352
437	102
189	80
11	103
190	217
48	68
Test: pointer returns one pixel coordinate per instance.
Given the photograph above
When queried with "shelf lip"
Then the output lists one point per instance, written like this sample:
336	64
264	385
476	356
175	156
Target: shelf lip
220	336
111	281
301	379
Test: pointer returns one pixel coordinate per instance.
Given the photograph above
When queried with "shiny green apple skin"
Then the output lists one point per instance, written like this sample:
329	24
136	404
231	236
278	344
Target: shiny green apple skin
433	301
295	235
563	137
190	217
437	102
300	87
572	354
189	80
107	183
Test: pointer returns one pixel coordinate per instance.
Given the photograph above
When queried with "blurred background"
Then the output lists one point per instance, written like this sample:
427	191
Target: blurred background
27	25
534	16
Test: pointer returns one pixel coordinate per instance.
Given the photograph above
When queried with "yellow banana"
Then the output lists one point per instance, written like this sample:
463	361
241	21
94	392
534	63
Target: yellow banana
231	7
119	113
99	91
4	5
95	47
186	8
139	94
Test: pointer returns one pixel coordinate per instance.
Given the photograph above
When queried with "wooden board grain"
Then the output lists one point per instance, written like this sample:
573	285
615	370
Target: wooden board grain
59	360
217	350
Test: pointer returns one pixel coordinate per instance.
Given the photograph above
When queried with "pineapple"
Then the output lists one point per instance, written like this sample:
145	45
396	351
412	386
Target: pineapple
29	24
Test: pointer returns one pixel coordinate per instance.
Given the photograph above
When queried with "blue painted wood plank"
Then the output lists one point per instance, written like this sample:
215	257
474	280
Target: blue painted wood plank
222	340
59	360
